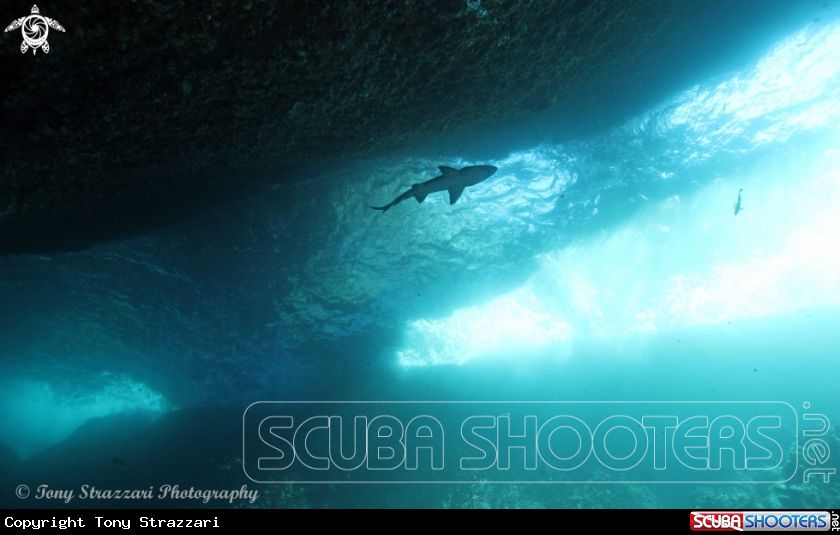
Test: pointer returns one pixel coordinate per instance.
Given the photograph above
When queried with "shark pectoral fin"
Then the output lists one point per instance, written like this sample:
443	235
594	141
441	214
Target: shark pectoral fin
455	194
444	170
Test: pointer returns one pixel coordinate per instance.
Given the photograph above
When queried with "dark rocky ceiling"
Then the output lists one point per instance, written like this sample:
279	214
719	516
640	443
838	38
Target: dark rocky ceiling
146	111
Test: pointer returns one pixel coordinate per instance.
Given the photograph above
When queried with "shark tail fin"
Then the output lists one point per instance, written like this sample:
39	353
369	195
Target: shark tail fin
383	208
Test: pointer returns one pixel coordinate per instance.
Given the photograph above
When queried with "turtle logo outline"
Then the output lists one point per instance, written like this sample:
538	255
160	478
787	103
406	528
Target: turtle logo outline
35	29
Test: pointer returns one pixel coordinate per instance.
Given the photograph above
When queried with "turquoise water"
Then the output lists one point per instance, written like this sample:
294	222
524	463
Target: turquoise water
610	268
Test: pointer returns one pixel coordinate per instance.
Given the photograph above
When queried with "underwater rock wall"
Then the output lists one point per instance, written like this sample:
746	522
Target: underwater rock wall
127	125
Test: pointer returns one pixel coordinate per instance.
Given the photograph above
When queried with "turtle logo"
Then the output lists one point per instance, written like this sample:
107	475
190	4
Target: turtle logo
35	30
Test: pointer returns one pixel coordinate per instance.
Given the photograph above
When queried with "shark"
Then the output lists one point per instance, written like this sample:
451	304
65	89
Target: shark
452	180
738	206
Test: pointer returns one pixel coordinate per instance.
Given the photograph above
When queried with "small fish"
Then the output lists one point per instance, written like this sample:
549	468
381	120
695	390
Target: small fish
738	206
119	462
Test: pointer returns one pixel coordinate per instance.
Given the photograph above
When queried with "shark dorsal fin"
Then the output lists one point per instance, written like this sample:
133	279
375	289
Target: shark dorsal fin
444	170
455	194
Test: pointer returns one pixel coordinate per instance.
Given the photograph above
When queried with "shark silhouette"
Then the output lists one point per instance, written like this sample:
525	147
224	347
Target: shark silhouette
738	206
451	180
